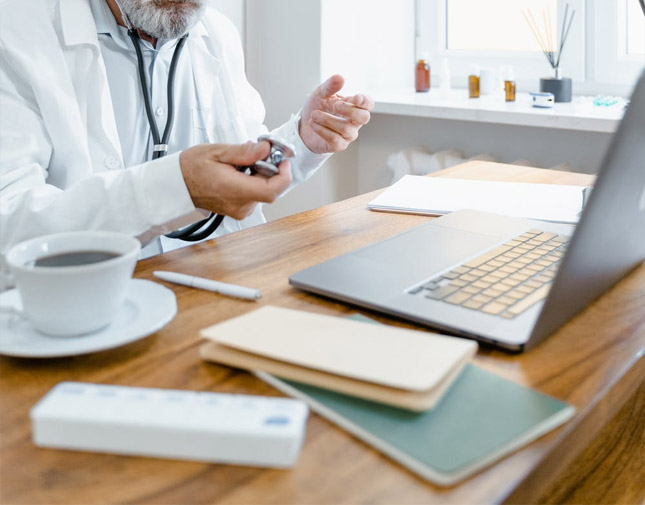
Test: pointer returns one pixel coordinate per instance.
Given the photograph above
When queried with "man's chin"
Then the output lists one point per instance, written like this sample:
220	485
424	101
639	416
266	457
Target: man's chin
184	5
164	19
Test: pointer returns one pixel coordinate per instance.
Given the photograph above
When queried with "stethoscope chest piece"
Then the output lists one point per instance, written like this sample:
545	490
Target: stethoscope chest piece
280	151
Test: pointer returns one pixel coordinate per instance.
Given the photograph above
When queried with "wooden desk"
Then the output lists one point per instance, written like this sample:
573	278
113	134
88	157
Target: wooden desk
595	363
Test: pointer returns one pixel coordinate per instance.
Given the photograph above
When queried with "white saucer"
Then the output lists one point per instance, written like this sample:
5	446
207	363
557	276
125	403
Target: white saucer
147	309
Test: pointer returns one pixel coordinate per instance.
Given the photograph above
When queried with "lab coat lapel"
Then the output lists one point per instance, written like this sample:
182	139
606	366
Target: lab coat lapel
52	90
206	68
90	82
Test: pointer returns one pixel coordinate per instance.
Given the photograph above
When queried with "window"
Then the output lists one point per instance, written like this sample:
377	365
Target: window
493	33
634	29
496	25
604	52
619	38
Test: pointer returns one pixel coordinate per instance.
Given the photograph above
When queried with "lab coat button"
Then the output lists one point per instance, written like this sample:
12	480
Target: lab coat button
159	111
112	163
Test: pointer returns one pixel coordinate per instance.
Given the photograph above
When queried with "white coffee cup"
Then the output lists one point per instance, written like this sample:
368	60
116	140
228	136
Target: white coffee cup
79	298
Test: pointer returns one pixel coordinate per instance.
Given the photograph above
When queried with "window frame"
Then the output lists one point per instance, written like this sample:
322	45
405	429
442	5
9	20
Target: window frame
611	58
622	41
591	57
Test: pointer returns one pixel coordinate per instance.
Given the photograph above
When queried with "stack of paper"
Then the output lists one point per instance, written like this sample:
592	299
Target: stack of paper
404	368
437	195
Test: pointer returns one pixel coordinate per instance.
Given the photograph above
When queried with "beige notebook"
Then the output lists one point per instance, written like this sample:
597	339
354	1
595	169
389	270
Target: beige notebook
400	367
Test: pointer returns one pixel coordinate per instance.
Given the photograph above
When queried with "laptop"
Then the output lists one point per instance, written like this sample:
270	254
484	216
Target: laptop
507	282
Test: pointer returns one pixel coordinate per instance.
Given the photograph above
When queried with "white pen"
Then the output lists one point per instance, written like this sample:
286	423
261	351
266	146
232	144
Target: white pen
209	285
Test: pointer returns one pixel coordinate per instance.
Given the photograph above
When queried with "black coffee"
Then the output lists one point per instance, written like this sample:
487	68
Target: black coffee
74	259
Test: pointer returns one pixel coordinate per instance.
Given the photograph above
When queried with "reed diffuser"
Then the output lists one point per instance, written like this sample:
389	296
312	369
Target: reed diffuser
552	44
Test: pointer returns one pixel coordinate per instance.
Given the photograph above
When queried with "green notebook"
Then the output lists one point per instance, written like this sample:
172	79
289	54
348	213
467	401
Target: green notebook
481	419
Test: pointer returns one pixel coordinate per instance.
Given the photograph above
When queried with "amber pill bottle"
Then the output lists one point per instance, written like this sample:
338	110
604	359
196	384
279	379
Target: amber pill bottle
473	82
509	84
422	73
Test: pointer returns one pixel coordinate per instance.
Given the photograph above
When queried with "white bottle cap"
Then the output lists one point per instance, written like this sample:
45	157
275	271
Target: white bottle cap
509	74
474	70
423	56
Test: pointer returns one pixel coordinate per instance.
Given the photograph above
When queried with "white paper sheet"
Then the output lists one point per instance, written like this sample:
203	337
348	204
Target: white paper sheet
436	196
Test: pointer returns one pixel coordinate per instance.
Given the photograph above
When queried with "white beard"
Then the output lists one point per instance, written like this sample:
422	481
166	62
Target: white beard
163	19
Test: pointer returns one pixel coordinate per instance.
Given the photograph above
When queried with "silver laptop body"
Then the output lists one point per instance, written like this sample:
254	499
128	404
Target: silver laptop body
608	243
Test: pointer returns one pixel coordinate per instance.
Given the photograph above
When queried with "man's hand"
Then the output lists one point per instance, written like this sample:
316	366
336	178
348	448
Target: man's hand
214	183
330	122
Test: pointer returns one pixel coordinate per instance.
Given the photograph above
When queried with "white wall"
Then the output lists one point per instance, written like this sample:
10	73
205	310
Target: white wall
543	147
234	10
293	45
283	53
370	42
283	63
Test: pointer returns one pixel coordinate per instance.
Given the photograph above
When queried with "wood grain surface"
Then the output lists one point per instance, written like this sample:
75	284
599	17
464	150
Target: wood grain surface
594	362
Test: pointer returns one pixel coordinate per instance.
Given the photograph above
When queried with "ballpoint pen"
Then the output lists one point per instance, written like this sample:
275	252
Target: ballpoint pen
209	285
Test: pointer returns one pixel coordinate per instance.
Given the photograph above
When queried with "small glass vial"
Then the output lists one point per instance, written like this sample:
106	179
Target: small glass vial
509	84
473	82
422	74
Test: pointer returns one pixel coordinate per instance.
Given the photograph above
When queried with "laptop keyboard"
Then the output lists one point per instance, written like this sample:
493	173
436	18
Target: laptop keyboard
504	282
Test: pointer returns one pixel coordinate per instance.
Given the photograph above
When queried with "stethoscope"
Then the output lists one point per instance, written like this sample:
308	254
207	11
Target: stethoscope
280	150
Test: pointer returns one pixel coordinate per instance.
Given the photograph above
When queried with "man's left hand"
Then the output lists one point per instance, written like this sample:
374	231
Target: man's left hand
330	122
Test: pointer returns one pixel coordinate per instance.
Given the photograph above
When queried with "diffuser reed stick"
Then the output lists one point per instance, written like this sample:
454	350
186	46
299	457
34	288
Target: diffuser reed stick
545	35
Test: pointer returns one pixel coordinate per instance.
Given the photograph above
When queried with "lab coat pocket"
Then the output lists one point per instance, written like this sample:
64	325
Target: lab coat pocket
215	130
199	116
230	131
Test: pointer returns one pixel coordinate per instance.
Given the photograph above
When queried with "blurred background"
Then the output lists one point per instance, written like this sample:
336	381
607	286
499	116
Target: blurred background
375	44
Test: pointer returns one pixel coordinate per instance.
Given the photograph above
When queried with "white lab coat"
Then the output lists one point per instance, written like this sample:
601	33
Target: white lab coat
61	165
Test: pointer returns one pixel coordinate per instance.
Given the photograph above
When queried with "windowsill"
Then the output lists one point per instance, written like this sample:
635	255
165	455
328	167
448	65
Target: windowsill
579	115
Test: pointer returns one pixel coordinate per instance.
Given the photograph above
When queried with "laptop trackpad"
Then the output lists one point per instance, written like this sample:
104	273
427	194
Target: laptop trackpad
424	251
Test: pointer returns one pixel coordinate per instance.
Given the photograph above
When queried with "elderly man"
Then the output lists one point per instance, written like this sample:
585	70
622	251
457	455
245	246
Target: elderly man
76	148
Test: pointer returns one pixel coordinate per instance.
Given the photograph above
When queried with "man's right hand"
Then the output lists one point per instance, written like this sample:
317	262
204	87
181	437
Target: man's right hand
214	183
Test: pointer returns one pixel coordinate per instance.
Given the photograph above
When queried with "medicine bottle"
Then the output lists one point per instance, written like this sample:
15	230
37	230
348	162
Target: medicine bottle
473	82
509	83
422	73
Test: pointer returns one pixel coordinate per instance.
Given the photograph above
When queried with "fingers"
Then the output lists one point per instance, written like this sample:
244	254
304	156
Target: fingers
241	193
335	141
331	86
353	114
347	118
338	125
214	183
239	155
355	109
266	189
361	101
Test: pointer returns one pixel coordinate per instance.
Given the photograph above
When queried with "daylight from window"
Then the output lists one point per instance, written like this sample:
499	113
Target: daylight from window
635	29
499	25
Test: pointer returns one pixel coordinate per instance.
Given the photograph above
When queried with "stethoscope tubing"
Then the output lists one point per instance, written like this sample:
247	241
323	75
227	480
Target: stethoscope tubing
207	226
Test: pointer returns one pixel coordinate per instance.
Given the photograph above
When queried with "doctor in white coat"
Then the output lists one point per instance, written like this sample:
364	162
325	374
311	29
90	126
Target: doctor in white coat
75	141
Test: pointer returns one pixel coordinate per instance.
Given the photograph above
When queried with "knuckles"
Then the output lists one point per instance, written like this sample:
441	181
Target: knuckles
338	144
272	195
242	212
351	134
